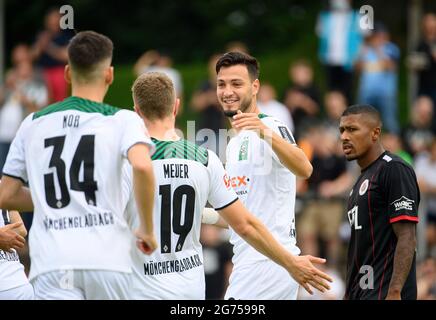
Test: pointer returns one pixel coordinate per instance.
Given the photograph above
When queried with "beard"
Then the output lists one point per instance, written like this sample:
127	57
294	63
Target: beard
230	113
245	105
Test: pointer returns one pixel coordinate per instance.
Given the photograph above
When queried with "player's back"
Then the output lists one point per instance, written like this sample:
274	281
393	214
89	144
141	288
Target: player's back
73	153
187	176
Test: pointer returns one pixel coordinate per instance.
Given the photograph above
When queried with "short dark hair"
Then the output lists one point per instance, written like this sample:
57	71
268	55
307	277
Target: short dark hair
234	58
87	49
363	109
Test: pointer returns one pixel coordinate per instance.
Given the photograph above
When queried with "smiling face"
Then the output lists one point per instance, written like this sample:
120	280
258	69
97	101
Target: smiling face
235	89
358	135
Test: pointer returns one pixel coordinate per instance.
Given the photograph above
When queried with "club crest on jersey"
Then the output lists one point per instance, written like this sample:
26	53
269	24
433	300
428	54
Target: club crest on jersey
403	203
243	151
363	187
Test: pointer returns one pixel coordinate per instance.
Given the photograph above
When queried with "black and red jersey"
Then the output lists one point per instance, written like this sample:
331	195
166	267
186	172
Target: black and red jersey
386	192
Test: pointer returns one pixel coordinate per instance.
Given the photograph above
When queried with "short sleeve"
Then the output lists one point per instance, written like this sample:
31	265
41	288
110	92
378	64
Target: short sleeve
134	132
282	130
221	194
402	192
15	165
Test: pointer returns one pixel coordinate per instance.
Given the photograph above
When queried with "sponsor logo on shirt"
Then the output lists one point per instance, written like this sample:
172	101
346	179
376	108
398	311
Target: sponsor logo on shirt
403	203
286	134
237	182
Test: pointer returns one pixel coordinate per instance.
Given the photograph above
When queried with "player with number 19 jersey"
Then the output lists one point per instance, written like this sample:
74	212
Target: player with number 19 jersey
187	177
72	154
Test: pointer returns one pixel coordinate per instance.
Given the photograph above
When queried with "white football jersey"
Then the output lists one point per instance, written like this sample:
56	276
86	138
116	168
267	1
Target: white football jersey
11	270
72	154
187	177
265	186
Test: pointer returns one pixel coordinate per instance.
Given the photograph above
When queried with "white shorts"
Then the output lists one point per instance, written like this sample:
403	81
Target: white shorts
24	292
262	280
82	285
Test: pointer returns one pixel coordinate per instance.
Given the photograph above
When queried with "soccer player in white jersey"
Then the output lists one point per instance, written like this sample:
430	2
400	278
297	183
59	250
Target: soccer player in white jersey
14	284
72	154
188	176
262	162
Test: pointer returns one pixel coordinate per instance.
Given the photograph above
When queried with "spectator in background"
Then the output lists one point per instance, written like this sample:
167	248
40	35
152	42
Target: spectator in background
322	215
335	104
156	61
423	60
267	103
426	279
24	92
425	167
417	135
340	38
377	64
50	54
392	142
302	96
205	103
217	253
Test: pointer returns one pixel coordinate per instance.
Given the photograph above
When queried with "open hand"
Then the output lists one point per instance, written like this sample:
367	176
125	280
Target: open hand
305	273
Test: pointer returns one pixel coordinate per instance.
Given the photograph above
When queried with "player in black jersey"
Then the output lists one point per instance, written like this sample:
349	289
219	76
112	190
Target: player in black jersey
383	212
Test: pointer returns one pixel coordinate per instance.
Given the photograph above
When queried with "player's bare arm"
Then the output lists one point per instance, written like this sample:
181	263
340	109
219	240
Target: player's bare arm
404	252
290	155
143	185
16	218
255	233
14	196
9	238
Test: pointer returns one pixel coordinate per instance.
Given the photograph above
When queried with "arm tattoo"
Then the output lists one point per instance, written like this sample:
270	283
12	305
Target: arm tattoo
404	252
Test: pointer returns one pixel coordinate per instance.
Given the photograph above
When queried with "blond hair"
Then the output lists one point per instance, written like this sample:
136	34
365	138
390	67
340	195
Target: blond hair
154	95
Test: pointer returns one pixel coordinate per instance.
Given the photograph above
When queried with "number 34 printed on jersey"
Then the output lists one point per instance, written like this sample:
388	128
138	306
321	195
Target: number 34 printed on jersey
84	154
353	217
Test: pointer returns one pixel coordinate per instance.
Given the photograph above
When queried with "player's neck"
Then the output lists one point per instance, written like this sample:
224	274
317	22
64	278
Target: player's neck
163	130
92	92
371	156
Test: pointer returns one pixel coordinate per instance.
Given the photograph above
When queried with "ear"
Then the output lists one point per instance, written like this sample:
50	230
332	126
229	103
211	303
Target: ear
176	107
67	74
255	86
376	133
138	111
109	75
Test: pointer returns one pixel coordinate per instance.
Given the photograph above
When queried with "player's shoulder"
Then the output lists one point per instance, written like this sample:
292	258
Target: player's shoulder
394	163
180	149
81	105
278	126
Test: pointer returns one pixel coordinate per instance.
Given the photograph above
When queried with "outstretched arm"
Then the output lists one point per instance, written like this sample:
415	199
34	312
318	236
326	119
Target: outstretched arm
256	234
404	252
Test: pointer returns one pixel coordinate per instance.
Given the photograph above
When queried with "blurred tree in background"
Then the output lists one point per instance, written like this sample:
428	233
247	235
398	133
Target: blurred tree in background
276	32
